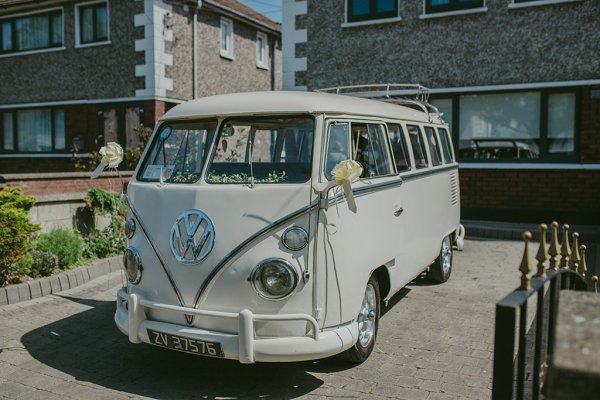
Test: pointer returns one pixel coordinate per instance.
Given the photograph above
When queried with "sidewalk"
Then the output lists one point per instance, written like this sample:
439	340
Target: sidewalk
72	278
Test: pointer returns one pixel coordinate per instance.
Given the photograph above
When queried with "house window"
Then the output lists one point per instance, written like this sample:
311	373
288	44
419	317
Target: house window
226	38
444	106
365	10
92	23
8	131
519	126
31	32
437	6
33	130
261	50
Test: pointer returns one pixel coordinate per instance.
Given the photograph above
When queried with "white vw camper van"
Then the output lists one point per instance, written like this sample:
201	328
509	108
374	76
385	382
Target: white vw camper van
244	244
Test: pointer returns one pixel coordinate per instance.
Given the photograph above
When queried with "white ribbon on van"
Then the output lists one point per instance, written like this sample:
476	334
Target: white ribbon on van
345	173
112	155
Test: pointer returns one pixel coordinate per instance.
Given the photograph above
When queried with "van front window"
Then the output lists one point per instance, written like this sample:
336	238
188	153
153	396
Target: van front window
178	152
269	150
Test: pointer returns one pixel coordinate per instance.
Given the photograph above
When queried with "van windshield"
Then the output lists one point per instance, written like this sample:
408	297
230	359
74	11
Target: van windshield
178	152
268	149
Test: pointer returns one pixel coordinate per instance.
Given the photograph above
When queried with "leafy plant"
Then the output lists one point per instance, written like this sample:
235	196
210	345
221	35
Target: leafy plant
108	241
64	243
16	231
44	263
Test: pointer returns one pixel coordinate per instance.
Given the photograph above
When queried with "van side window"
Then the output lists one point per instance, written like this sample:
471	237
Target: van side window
446	146
399	147
434	146
338	147
370	148
416	142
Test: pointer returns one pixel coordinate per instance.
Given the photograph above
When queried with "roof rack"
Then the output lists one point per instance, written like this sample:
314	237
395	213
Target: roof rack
396	93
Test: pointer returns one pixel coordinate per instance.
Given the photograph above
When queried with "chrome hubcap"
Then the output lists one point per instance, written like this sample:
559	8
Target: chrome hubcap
366	317
446	255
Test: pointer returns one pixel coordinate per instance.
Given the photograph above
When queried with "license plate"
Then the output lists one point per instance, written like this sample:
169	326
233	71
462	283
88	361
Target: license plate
185	344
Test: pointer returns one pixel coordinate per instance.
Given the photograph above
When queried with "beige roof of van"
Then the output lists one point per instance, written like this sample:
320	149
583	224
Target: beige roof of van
282	102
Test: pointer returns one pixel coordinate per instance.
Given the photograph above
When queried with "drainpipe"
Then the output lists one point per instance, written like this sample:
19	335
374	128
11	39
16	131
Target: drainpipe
195	50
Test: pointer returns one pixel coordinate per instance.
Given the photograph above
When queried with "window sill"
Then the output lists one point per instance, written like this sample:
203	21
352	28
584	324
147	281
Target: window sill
453	13
540	3
517	165
25	53
371	22
227	56
44	155
261	66
94	44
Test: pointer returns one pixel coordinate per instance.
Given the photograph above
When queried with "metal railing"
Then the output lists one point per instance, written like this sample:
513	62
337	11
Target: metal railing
524	340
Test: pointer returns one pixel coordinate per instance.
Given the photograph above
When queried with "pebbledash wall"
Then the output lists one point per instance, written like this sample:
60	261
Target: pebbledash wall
494	50
144	67
100	91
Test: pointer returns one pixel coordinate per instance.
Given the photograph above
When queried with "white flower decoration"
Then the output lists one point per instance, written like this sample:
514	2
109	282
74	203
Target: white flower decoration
112	154
346	172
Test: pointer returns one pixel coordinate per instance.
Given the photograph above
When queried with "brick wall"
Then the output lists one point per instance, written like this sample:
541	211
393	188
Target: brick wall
51	184
531	195
590	126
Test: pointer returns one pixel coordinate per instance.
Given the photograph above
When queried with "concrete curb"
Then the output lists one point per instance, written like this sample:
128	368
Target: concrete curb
13	294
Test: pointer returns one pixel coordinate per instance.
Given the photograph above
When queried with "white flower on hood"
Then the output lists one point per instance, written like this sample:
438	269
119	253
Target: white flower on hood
112	154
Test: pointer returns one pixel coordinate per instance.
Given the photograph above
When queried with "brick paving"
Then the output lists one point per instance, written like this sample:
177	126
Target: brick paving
435	343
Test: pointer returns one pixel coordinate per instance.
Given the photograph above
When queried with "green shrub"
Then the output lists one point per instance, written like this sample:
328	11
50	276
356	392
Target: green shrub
64	243
44	263
16	231
107	242
110	240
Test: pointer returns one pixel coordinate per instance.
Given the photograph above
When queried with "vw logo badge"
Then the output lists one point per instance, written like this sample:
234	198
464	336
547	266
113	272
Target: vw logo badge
192	237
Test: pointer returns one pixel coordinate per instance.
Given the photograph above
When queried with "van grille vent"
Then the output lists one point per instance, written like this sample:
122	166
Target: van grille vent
454	188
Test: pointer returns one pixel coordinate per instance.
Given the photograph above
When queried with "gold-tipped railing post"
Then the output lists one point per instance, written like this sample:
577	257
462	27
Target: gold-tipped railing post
583	265
554	250
542	254
575	259
565	248
525	266
595	284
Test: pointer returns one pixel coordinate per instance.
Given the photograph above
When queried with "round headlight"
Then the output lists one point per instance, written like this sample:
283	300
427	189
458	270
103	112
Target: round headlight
294	238
274	279
129	228
133	265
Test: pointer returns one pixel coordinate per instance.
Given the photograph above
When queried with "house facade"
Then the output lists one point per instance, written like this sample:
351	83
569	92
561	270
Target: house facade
79	74
518	81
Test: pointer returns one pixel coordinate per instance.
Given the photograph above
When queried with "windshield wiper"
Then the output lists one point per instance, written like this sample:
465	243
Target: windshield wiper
250	144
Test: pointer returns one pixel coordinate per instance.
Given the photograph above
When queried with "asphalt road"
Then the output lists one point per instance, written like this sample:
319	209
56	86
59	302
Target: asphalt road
435	342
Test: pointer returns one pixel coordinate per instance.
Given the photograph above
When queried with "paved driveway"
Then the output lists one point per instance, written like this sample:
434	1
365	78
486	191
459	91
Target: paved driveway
435	342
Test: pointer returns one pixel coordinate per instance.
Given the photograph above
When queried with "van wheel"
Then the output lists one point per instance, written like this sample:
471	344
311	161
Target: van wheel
368	325
441	268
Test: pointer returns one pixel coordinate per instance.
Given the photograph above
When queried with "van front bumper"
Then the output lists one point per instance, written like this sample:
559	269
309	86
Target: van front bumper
130	318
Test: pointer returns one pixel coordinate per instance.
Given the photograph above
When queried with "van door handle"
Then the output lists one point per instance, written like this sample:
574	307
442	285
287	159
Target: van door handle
398	212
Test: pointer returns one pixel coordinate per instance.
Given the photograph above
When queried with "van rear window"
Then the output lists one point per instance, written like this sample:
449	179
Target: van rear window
263	150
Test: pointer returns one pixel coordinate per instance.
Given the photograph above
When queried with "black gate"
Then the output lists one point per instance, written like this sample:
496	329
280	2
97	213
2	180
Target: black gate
526	318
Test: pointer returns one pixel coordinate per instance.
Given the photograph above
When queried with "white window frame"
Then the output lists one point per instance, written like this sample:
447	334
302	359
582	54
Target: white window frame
534	3
45	50
264	64
78	6
226	53
425	15
350	24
